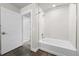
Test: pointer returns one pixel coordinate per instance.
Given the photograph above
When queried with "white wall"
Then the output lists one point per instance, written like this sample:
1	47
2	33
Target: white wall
56	23
41	23
26	9
0	29
72	24
26	28
77	29
35	28
9	6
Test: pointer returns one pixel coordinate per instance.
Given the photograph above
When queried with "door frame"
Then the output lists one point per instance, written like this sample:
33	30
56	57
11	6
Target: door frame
26	12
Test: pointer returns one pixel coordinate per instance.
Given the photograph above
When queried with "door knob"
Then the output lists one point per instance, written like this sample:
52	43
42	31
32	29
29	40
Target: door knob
3	33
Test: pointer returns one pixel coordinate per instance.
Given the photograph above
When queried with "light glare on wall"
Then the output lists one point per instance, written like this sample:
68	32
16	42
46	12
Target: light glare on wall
53	5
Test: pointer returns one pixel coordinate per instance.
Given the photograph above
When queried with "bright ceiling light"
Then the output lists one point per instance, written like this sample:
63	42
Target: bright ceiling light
53	5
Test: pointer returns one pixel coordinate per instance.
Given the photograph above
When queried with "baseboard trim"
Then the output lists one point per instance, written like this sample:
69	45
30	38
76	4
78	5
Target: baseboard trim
34	50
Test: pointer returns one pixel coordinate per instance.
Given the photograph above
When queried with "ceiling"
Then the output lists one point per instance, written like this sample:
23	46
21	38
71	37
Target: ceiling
20	5
47	6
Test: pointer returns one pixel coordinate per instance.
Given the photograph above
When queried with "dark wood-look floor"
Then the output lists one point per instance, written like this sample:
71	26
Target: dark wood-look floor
42	53
25	51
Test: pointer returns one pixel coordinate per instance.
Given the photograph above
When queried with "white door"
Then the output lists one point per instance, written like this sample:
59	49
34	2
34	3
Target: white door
11	36
26	29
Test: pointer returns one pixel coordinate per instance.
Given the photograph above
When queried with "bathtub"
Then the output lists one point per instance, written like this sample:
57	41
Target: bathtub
57	47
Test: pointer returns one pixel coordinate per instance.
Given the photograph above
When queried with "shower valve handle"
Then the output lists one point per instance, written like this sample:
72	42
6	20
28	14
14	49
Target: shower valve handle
42	35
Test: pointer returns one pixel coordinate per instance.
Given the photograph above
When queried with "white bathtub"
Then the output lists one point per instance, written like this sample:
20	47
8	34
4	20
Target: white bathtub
57	47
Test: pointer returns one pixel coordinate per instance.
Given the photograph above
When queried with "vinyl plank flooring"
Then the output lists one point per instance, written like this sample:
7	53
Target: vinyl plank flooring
42	53
25	51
